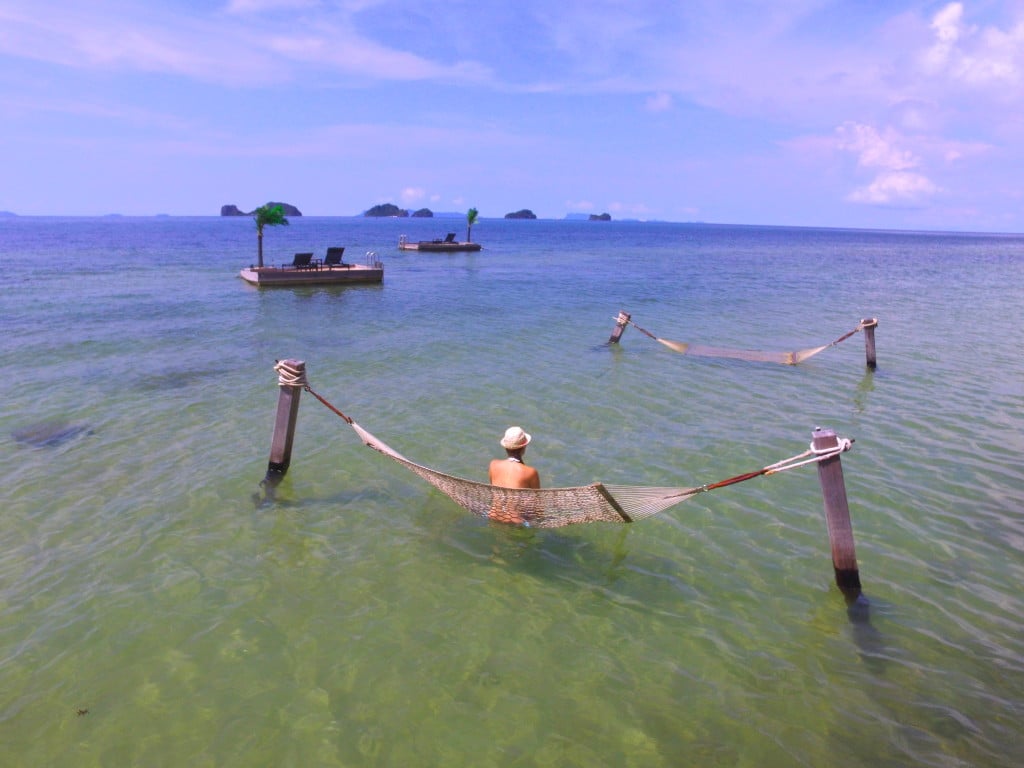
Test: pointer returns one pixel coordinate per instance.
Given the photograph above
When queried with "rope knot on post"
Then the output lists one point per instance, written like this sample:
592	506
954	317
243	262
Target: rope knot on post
843	444
291	373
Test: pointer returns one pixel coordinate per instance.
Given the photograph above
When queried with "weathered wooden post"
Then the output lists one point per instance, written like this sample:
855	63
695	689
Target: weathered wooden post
869	324
837	514
620	325
291	379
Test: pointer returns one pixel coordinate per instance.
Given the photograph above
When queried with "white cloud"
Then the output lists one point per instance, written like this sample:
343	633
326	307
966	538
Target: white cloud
896	182
411	195
895	188
973	55
947	22
874	150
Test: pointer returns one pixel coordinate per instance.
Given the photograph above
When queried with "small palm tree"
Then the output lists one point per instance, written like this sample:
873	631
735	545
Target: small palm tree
267	216
471	216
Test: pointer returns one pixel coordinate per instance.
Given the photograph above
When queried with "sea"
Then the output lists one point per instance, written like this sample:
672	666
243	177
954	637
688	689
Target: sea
162	605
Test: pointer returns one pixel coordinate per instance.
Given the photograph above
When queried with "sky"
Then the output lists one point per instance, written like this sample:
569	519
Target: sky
882	114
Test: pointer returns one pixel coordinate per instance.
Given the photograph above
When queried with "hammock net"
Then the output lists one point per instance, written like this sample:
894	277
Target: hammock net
546	507
785	358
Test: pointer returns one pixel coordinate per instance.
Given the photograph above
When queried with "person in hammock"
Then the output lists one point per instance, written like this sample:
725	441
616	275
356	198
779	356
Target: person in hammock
512	472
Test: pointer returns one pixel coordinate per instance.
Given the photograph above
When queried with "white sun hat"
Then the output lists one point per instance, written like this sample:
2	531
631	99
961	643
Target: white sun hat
515	438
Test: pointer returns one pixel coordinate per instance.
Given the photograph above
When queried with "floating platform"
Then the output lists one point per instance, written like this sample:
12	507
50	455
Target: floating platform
314	275
437	246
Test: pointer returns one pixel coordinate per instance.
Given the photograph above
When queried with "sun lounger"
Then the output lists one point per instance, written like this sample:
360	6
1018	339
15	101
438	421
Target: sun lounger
333	258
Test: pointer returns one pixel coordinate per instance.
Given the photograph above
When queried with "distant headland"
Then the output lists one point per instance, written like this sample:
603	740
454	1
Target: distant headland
385	210
525	213
389	210
233	210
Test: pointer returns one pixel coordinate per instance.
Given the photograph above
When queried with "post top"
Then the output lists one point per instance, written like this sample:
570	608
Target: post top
824	437
291	373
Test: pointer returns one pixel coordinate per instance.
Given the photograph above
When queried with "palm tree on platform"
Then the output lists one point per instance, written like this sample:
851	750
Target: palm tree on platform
471	216
267	216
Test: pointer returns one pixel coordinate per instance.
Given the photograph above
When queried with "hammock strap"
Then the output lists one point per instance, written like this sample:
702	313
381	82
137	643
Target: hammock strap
801	459
329	406
860	327
644	331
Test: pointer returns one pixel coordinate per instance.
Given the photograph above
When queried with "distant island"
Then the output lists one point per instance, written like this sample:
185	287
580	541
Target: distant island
423	213
233	210
525	213
387	210
599	217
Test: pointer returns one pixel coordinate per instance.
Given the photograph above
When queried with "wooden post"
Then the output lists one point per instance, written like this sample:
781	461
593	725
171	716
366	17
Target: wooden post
620	325
869	340
292	380
837	514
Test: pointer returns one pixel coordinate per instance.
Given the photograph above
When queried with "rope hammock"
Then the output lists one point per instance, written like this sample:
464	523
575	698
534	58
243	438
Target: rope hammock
785	358
555	507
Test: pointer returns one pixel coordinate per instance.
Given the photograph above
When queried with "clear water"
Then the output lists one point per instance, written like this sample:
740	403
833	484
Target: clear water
158	608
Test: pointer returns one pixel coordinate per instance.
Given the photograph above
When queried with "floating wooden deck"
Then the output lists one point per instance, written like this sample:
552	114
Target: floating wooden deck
313	275
437	246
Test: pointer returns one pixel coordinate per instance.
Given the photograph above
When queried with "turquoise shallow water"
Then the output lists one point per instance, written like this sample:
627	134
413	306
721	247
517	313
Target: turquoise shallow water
356	617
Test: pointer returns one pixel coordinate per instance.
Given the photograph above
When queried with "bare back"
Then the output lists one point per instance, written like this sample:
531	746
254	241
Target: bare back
513	474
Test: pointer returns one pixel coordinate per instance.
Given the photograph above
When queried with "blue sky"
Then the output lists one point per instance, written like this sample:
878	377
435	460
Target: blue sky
864	113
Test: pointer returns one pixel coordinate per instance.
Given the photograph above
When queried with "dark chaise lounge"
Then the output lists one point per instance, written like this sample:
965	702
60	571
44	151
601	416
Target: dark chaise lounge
333	258
303	261
450	237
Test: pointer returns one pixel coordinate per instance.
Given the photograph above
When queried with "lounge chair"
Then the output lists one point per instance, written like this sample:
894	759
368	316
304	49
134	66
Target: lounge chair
450	238
303	261
333	258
